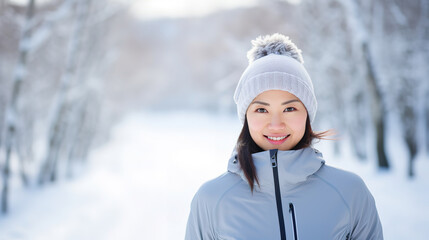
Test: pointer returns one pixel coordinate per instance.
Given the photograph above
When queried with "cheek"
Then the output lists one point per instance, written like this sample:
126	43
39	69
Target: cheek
298	123
255	124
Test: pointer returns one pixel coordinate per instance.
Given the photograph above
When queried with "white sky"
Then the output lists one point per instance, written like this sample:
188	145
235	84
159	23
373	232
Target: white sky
183	8
25	2
149	9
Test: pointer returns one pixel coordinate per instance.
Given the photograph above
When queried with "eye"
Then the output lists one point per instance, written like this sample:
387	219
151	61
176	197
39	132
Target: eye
290	109
261	110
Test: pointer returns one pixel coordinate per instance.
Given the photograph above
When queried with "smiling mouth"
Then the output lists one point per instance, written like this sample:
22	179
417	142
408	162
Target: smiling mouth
277	140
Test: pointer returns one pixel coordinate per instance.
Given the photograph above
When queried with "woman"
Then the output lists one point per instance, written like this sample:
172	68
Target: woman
277	186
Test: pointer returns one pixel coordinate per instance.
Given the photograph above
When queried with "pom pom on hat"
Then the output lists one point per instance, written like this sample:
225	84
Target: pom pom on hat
275	63
274	44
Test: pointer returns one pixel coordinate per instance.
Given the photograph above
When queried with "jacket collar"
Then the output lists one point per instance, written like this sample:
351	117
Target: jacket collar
294	167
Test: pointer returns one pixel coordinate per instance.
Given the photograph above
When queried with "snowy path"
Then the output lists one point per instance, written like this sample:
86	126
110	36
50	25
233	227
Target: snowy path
139	185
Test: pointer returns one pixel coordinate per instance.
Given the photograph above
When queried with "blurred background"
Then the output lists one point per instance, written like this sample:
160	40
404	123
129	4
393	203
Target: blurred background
113	113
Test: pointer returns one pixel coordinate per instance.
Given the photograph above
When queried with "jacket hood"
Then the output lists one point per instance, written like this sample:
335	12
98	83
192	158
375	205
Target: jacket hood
294	166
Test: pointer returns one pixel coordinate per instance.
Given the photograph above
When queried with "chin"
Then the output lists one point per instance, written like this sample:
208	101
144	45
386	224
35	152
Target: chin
285	149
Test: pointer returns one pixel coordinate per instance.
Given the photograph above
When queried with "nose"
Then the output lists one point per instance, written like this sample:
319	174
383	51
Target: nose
276	122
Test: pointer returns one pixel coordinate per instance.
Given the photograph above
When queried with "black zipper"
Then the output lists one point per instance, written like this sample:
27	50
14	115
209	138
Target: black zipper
273	155
292	213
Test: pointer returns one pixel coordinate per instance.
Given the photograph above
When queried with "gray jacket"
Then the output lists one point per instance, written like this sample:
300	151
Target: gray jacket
311	201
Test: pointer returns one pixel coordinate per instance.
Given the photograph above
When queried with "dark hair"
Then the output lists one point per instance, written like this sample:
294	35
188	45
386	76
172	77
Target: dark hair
246	147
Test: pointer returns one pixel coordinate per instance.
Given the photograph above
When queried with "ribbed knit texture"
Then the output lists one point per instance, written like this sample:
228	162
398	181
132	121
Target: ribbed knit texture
275	72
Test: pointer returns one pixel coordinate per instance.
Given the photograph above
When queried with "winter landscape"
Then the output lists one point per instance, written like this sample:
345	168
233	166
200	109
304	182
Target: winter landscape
113	113
140	184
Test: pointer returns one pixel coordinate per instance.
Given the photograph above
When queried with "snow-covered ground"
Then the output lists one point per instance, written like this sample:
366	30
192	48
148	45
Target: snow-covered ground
140	184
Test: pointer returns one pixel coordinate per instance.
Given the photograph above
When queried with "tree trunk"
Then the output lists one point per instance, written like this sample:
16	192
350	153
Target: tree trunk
22	160
412	148
361	34
49	166
427	124
378	108
358	126
410	130
11	112
57	125
2	5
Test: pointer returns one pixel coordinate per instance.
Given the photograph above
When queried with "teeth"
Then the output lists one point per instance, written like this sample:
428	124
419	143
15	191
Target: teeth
276	138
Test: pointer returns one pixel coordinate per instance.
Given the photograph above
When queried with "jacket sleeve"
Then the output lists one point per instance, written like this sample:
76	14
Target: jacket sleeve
366	222
200	225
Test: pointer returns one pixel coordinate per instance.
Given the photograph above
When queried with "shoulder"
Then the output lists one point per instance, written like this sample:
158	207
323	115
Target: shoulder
212	191
202	218
349	185
340	179
365	223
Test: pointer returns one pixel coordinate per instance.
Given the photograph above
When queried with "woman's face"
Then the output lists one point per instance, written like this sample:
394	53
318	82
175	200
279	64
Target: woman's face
276	120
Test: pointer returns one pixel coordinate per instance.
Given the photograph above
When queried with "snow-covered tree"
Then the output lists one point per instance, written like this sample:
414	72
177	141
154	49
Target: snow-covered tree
55	89
404	27
11	116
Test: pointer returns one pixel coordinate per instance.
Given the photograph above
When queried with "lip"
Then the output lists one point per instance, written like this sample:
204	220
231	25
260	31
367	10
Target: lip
277	142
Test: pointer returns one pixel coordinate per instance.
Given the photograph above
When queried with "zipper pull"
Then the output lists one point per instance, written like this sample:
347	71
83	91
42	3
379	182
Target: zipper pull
273	156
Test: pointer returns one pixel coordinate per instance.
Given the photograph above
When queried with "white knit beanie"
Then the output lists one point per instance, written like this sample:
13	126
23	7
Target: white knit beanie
275	63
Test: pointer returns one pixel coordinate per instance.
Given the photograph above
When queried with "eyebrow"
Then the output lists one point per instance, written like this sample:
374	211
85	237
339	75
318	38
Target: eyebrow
267	104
